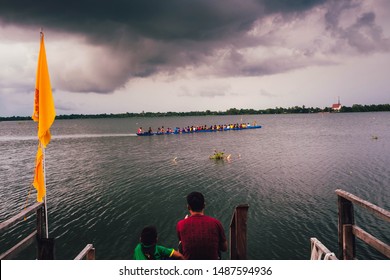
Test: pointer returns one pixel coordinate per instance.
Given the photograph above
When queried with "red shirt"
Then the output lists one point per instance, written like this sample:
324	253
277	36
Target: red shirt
201	236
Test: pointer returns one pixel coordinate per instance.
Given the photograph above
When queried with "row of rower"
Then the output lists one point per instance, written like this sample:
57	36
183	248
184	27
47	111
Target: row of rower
190	129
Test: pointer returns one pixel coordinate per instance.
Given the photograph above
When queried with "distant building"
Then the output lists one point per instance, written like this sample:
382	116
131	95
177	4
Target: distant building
337	106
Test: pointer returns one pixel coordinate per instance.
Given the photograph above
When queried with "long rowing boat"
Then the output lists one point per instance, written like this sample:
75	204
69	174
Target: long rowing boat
178	131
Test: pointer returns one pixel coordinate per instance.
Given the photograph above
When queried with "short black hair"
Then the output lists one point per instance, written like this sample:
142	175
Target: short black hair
149	235
196	201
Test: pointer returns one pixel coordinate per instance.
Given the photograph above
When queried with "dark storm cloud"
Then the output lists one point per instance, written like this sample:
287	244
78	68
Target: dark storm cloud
290	6
165	20
163	36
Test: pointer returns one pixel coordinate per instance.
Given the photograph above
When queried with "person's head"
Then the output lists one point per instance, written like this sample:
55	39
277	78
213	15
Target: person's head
195	201
149	235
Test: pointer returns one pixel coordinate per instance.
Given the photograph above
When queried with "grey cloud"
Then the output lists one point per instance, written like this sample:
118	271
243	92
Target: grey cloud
143	38
212	92
265	93
62	105
363	34
206	91
366	36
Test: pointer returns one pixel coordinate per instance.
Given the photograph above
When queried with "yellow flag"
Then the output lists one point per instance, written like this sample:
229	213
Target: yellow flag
39	181
44	111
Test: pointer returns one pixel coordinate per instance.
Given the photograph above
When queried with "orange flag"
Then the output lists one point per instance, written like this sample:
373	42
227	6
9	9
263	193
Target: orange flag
44	111
39	181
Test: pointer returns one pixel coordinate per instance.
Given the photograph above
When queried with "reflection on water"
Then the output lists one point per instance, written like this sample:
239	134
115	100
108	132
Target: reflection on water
104	186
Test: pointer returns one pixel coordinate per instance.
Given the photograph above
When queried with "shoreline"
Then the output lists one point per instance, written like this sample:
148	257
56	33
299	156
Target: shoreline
231	112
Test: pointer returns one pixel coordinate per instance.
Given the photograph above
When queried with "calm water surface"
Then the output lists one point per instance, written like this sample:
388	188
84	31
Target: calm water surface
105	183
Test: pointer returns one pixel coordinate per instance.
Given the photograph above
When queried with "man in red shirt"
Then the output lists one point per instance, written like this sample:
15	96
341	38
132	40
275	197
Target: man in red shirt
201	236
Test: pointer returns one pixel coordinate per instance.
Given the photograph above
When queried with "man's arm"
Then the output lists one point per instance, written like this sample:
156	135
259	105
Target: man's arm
222	238
178	231
223	246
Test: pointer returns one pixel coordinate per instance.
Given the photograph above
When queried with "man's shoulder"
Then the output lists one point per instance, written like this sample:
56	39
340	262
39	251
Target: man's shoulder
194	219
203	218
211	219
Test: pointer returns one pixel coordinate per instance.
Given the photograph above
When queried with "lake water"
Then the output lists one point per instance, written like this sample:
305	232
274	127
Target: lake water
104	183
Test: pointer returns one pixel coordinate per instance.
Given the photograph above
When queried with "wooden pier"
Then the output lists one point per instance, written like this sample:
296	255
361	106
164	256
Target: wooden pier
35	235
45	246
348	231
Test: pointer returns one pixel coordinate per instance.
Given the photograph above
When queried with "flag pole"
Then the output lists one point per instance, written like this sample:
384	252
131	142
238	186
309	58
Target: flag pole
44	176
44	183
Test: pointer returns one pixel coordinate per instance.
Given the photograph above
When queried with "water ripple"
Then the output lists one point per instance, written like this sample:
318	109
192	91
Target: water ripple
104	185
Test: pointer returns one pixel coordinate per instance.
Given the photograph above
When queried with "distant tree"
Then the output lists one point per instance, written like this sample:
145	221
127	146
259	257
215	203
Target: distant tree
231	111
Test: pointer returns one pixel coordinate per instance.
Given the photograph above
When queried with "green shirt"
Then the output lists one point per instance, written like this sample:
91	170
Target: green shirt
160	253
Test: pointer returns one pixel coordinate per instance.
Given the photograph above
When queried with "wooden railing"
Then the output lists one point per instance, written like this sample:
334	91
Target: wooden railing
27	241
88	253
319	251
45	246
348	231
238	233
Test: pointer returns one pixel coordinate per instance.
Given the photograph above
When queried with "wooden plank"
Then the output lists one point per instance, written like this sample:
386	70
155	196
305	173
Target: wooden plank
382	213
349	248
11	253
8	223
375	243
84	252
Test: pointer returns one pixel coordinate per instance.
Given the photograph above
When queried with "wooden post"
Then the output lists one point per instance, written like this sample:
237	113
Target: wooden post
40	230
349	252
238	233
346	216
39	226
45	246
233	238
40	221
91	254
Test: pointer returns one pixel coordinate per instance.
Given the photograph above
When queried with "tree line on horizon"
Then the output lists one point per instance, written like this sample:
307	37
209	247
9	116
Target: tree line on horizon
232	111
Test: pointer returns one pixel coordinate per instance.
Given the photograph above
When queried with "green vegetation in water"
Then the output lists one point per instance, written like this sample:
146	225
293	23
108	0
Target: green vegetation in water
219	156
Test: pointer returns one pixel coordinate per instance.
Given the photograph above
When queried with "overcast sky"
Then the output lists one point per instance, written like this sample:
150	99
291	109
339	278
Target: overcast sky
194	55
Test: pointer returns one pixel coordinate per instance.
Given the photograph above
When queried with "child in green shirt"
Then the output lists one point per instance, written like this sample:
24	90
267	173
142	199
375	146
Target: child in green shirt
148	249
